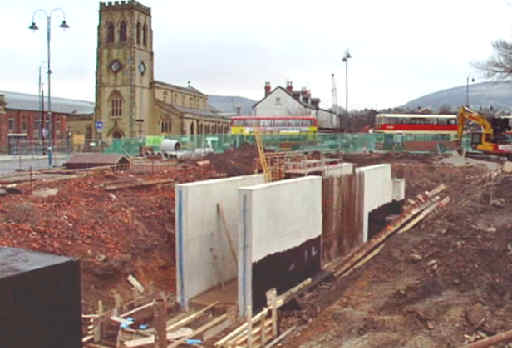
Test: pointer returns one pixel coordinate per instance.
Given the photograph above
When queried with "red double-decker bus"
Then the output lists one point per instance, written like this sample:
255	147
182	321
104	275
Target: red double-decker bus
417	124
275	125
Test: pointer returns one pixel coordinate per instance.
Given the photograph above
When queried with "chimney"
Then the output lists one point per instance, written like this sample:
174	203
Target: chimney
267	88
289	86
305	95
315	102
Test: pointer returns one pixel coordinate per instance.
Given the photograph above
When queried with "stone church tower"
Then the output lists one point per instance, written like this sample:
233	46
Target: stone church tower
124	69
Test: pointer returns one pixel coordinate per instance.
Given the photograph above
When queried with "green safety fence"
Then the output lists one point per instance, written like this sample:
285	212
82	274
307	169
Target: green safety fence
343	142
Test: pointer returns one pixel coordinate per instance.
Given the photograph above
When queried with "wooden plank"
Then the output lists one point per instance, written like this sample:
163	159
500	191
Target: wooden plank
266	324
190	318
135	283
281	337
220	211
199	331
284	298
135	310
241	328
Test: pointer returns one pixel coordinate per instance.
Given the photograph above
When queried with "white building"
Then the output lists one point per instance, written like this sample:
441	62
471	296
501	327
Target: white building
287	102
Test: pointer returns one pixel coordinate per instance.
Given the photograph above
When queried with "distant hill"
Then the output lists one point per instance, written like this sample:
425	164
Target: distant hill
484	94
226	103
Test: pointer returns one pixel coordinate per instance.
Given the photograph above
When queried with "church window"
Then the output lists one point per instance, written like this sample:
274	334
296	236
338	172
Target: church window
117	106
122	32
137	37
110	32
144	34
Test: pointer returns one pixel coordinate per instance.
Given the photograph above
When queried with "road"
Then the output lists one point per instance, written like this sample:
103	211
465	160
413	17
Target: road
10	164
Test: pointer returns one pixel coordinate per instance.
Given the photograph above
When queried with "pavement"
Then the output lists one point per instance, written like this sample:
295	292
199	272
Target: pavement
30	157
13	163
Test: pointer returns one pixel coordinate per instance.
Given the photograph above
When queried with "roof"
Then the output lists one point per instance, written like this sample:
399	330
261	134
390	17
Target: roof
184	89
15	261
198	112
291	95
23	101
259	117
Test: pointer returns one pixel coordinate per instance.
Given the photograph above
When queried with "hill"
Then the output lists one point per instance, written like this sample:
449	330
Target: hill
226	103
497	94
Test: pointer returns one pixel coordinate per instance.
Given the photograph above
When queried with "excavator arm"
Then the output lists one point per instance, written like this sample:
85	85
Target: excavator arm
465	114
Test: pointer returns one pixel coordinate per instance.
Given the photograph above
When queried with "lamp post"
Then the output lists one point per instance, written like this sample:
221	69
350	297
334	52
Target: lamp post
345	59
34	27
467	89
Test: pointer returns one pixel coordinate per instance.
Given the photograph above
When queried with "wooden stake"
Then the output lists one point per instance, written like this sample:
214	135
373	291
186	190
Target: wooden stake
99	323
159	323
249	326
220	211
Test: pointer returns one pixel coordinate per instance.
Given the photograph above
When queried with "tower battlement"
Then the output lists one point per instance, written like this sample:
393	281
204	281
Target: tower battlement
125	5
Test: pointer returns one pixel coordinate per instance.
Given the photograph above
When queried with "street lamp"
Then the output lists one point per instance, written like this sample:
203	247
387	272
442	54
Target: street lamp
467	89
34	27
345	59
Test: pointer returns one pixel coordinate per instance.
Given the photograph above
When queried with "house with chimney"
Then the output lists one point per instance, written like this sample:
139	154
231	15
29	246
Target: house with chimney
282	101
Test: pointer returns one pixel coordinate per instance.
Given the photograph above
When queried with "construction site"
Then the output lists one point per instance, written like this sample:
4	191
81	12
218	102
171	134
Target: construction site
258	248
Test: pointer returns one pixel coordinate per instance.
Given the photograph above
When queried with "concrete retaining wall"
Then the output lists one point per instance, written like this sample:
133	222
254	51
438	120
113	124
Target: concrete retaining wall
280	230
203	257
377	188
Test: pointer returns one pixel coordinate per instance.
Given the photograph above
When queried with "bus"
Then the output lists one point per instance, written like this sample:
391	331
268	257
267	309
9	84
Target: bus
444	126
274	125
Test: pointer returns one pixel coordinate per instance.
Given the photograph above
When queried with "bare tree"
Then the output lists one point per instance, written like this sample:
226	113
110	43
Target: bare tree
500	65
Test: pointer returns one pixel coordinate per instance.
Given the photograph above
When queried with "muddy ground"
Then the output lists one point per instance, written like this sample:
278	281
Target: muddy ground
445	282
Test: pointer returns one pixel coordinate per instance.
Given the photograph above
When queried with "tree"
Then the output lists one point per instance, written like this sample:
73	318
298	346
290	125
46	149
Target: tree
500	65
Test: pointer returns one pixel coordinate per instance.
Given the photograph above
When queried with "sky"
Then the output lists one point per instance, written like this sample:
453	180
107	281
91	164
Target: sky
401	49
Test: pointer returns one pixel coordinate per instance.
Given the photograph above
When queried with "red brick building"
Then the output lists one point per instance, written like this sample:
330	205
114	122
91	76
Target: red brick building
21	127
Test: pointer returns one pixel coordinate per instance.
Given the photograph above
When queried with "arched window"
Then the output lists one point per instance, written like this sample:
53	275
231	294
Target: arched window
137	36
116	103
110	32
122	31
192	128
144	34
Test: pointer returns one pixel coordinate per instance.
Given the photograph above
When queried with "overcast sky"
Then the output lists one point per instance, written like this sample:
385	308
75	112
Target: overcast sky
401	49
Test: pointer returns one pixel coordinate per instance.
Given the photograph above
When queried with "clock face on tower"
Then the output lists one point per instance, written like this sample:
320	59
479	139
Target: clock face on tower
142	68
115	66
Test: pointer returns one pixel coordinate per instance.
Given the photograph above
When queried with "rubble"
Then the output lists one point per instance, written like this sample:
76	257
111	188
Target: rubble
445	282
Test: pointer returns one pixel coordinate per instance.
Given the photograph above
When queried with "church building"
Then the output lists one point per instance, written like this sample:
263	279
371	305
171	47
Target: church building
129	101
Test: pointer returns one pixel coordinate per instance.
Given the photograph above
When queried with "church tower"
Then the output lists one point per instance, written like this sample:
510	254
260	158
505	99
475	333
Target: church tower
124	69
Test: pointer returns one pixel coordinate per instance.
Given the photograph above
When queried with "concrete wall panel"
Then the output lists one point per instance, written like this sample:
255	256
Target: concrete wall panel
278	219
203	257
378	189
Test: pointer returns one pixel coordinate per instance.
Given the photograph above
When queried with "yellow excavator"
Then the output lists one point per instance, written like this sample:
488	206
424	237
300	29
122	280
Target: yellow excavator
491	139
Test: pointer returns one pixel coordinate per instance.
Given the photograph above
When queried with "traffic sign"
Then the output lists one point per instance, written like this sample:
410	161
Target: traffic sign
99	125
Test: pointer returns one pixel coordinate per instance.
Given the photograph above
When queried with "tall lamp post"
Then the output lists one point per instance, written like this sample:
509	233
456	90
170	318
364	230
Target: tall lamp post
345	59
467	89
34	27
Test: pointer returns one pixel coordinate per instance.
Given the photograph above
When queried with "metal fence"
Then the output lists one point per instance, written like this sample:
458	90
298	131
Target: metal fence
26	154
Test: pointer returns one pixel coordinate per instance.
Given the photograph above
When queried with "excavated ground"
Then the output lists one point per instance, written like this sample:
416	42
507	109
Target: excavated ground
446	278
444	283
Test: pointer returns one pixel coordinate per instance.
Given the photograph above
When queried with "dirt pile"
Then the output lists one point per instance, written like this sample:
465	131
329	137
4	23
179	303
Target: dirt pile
241	161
